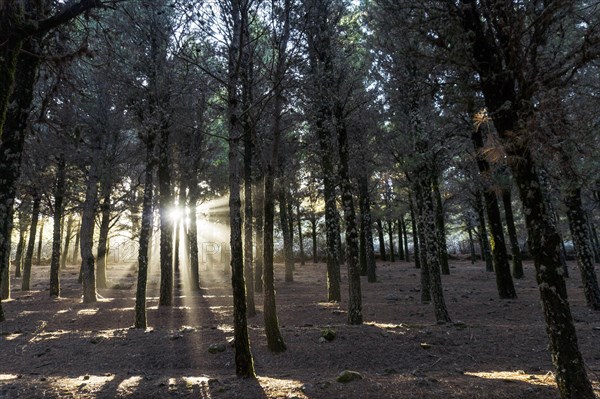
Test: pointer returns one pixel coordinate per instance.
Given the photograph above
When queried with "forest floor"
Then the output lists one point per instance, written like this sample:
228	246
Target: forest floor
61	348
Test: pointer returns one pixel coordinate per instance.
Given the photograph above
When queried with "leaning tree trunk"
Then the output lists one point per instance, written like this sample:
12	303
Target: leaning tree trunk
367	228
25	283
585	257
354	289
440	225
288	248
101	281
59	193
144	240
88	215
517	263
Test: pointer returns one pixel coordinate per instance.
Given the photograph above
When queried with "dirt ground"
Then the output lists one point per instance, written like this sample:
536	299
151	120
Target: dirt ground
494	349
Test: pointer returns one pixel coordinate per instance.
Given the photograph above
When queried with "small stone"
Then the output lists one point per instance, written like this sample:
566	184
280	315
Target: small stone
336	312
86	377
175	337
187	329
348	376
306	387
216	348
460	325
328	334
392	297
322	340
425	345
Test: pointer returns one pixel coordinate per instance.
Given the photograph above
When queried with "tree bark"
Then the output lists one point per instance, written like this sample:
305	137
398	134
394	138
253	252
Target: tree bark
59	193
585	257
382	252
517	263
366	225
67	240
440	225
406	253
101	281
166	224
285	230
483	235
421	254
300	235
193	233
88	272
390	230
75	256
415	234
38	258
26	281
313	224
259	209
401	255
248	213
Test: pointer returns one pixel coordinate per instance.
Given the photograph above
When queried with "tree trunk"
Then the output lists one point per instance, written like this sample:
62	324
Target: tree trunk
313	224
585	257
390	230
595	241
421	253
300	235
58	214
517	264
486	254
193	234
471	244
406	253
20	246
248	217
25	283
38	258
101	281
166	224
285	230
259	208
415	234
400	240
65	251
244	363
440	225
75	257
86	243
382	253
367	228
144	240
354	289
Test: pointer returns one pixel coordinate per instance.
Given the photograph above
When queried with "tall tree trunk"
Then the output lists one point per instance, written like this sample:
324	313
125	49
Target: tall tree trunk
440	225
67	240
259	209
288	253
300	235
517	264
390	230
101	281
421	253
486	253
471	244
20	246
313	224
406	253
244	363
145	231
88	215
585	258
26	282
38	258
59	193
75	257
166	224
248	214
415	234
367	227
354	289
382	252
193	233
400	240
595	241
504	282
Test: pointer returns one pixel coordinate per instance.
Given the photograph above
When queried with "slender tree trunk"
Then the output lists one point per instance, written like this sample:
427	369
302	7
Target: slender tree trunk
440	225
75	257
313	224
88	272
26	281
471	244
421	254
259	208
400	240
38	258
486	253
58	214
248	216
367	228
595	241
585	258
244	362
166	224
20	248
415	234
354	288
300	235
517	264
193	234
406	253
68	234
145	231
101	281
390	230
285	229
382	251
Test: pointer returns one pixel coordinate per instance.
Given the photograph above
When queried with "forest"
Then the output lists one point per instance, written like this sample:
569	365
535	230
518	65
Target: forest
299	199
